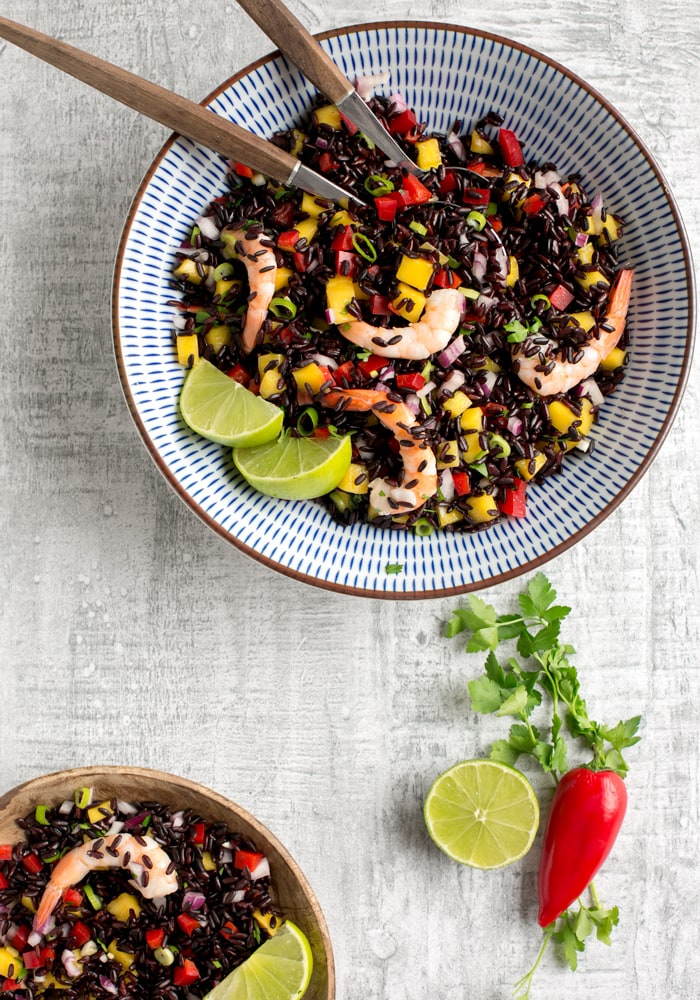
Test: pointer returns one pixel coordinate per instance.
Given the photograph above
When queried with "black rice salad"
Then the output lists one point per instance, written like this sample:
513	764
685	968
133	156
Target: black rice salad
305	303
105	937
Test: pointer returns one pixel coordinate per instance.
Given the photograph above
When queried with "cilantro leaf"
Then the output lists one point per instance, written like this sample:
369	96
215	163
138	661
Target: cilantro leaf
485	694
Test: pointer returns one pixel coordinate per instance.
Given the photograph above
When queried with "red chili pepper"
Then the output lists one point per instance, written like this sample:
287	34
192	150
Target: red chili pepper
585	818
561	297
186	974
321	432
287	239
188	923
404	121
73	897
242	170
80	934
350	126
33	863
447	278
511	150
514	503
239	374
247	859
5	852
415	192
412	380
301	261
155	938
462	485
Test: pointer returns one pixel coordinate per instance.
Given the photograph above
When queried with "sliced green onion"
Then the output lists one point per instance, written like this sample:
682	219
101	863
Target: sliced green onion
92	897
452	261
195	232
477	220
540	298
497	441
368	142
224	270
364	246
419	228
40	815
83	797
492	208
377	184
283	308
53	857
423	527
307	421
470	293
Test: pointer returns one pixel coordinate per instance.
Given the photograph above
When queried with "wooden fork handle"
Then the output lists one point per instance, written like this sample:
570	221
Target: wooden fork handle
149	99
294	41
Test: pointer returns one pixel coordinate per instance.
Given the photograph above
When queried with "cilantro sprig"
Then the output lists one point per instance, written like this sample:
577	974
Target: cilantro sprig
542	674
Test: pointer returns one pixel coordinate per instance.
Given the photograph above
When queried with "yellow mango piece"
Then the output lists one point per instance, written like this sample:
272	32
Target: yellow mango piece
409	303
311	205
188	270
415	271
218	336
340	291
482	508
428	153
28	904
187	349
122	906
457	404
523	465
472	419
584	319
311	375
268	922
95	814
208	863
447	516
125	958
270	384
307	228
585	253
447	455
479	144
614	360
342	218
225	285
282	277
11	957
328	115
473	452
349	483
298	141
513	271
609	230
588	278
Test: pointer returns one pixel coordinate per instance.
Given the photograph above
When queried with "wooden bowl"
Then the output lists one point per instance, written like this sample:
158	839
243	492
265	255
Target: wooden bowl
290	889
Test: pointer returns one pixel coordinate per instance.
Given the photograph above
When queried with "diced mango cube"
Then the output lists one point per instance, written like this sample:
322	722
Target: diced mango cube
188	270
447	455
282	277
208	863
100	811
355	479
615	359
456	405
447	516
409	302
588	278
298	137
342	218
415	271
218	336
472	419
225	285
271	384
480	144
310	375
267	921
125	958
313	206
428	152
328	115
529	467
610	230
187	349
307	228
562	418
584	319
585	253
340	291
11	957
482	508
122	905
513	271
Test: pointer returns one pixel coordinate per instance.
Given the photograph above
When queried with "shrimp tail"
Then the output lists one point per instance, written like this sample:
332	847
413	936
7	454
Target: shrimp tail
49	901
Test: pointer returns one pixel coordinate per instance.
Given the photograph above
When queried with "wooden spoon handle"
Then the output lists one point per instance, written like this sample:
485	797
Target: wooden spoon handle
175	112
292	38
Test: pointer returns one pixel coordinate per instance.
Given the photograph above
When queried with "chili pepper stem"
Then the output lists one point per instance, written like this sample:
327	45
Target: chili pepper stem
526	980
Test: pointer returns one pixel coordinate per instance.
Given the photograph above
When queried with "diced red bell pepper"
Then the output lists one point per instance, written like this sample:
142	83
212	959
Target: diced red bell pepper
287	239
404	121
370	368
328	375
38	958
247	859
79	935
380	305
462	485
242	170
561	297
533	204
496	223
411	380
350	126
415	192
476	196
20	937
8	985
326	162
72	896
155	937
346	263
239	374
343	373
343	238
321	432
511	150
449	182
387	205
301	261
447	278
186	974
5	852
515	503
32	863
3	881
229	928
187	923
199	832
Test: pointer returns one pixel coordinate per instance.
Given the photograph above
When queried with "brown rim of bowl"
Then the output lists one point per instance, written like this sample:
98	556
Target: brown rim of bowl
532	563
61	784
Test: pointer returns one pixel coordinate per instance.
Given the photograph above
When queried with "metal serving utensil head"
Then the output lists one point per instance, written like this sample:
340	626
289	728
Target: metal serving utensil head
356	111
308	180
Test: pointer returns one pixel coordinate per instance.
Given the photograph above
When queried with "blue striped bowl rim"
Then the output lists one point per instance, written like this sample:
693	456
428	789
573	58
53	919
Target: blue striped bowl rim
446	72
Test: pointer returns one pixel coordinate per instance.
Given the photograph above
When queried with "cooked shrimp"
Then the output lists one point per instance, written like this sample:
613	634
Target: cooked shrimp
261	265
153	871
566	374
419	480
430	334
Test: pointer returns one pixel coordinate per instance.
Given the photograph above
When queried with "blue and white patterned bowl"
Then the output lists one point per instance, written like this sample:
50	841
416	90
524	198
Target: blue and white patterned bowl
445	73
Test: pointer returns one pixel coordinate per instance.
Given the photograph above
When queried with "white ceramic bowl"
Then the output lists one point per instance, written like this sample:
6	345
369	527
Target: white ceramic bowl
445	73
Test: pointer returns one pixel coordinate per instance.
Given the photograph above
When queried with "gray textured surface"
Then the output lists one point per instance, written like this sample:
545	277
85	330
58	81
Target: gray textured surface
130	633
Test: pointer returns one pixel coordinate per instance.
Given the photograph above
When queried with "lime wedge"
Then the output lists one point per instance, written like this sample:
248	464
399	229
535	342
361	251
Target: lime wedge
222	410
482	813
279	970
295	468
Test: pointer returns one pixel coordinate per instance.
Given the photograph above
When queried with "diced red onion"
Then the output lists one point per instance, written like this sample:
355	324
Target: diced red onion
238	896
35	937
66	807
562	201
452	382
596	211
330	316
589	387
208	227
258	180
515	426
452	352
543	179
501	258
425	390
489	382
226	856
116	826
413	403
398	102
382	386
262	870
583	445
366	85
179	321
321	142
72	967
447	485
136	820
323	359
581	239
193	900
108	986
479	265
485	302
456	145
127	808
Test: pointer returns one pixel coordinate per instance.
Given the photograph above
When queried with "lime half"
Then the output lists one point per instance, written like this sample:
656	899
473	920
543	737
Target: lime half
295	468
222	410
279	970
482	813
